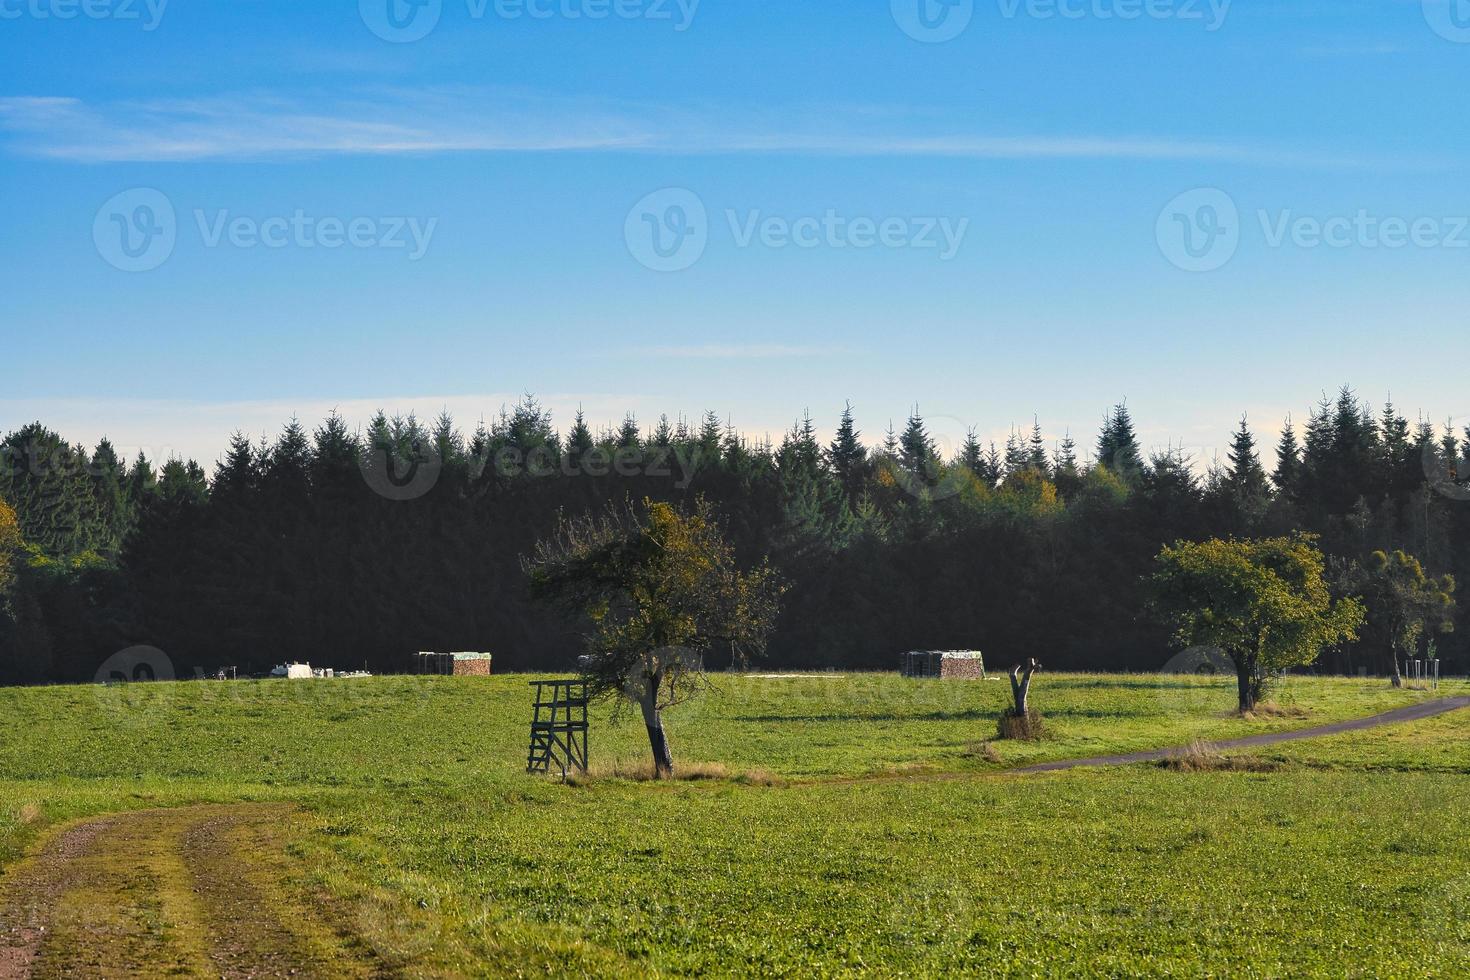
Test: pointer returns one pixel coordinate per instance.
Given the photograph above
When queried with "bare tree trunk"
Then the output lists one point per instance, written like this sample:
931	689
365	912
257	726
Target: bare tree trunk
1021	685
663	761
1398	679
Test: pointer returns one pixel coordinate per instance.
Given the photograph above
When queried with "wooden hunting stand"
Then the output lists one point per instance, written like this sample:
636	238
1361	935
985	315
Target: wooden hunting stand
559	727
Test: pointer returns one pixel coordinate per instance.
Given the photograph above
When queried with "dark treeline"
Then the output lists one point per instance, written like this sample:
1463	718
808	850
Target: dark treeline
345	549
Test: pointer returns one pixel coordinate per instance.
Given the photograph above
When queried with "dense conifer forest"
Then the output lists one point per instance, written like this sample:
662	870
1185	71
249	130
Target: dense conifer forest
344	548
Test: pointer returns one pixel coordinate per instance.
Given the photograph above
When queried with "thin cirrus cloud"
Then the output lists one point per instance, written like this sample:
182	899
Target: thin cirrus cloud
265	126
739	351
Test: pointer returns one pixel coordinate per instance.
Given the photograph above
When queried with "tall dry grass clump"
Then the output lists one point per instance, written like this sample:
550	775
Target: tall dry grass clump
1025	728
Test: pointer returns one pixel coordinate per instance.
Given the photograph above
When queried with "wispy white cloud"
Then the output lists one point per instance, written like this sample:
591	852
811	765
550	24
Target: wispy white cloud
462	120
266	126
739	351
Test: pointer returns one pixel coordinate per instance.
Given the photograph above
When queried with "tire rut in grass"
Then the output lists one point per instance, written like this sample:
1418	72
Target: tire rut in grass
30	894
201	891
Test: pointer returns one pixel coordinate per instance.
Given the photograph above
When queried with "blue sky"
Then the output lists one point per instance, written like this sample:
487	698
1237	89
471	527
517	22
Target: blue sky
1063	144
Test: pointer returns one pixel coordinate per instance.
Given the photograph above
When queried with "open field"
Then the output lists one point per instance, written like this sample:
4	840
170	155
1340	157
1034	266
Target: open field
808	849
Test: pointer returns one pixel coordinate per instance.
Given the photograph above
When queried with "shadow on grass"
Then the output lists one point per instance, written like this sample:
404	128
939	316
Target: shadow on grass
971	714
1149	682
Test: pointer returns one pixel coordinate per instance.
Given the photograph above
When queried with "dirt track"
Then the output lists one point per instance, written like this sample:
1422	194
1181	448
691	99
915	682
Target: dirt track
1414	712
200	891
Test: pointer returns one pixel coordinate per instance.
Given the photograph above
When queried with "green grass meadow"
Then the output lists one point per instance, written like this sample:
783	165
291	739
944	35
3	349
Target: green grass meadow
846	824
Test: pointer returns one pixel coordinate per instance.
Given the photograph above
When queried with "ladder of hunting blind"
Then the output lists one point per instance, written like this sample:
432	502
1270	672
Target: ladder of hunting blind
559	728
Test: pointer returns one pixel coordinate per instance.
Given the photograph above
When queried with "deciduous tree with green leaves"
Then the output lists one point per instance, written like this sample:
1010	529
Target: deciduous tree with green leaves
1404	603
1265	603
660	587
10	546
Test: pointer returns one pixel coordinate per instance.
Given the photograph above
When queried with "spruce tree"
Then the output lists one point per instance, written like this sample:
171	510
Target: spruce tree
711	437
141	481
1016	456
1244	474
663	433
799	449
847	456
1066	472
448	443
238	472
579	439
1117	447
1036	450
1400	471
628	436
529	428
336	458
994	466
114	515
1426	451
916	451
890	442
816	516
972	454
46	480
1288	474
287	474
1449	452
1244	486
